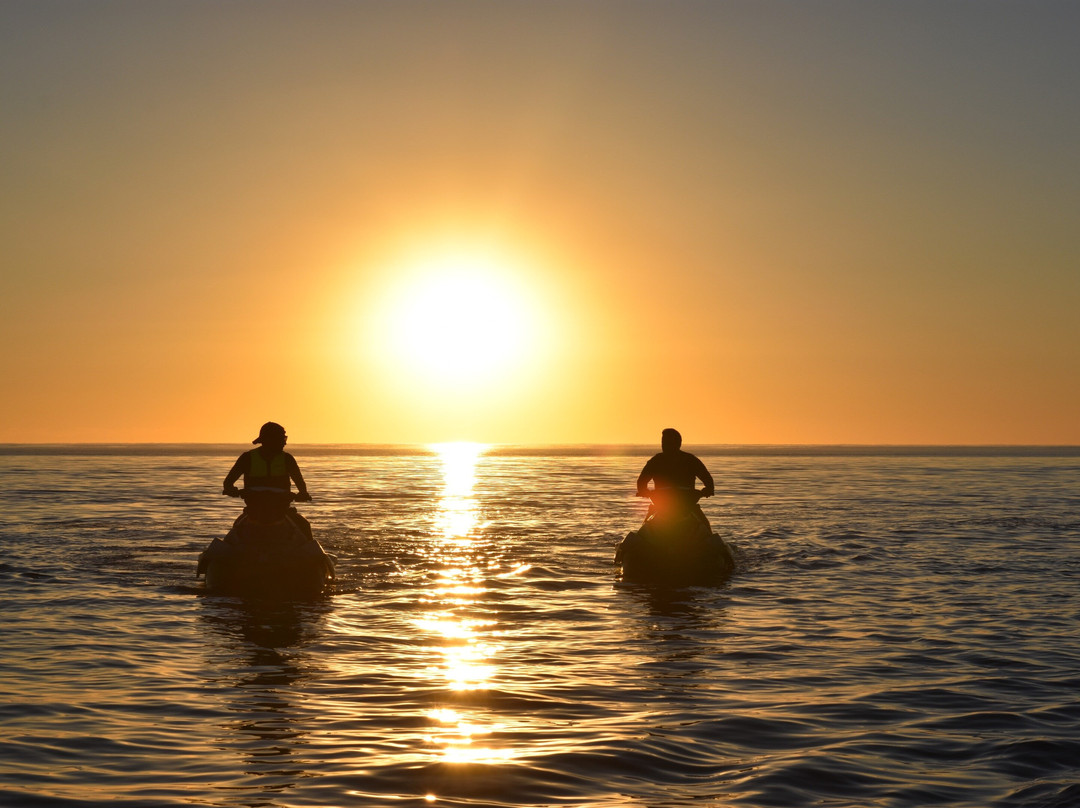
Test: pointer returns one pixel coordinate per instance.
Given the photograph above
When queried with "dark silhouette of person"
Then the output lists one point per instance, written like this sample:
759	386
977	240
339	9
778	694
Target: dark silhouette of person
268	471
674	473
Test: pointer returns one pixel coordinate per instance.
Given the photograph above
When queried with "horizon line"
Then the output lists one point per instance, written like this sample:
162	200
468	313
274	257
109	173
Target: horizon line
505	444
558	449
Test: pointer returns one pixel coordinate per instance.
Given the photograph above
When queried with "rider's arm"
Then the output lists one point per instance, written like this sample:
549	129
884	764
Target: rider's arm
705	477
298	478
643	481
239	467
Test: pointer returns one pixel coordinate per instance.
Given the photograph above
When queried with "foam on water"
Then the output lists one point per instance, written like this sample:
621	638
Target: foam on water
901	630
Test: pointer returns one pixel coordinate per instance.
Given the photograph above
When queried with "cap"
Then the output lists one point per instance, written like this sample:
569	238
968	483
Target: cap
270	430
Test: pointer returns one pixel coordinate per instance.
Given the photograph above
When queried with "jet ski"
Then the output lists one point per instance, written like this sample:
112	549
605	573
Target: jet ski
269	553
675	545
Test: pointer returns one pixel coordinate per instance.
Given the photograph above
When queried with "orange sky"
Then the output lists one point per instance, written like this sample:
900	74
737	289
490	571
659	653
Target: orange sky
757	222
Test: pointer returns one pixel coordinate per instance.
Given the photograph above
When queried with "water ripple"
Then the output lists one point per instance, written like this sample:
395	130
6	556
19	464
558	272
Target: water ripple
899	631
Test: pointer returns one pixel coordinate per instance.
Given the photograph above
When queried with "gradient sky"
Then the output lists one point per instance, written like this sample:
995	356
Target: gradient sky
759	222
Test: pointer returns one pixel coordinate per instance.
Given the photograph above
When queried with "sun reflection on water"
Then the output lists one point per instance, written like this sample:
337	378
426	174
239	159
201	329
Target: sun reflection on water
467	644
457	515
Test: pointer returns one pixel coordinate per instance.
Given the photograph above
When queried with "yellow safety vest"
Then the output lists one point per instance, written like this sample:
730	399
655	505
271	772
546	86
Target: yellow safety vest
261	474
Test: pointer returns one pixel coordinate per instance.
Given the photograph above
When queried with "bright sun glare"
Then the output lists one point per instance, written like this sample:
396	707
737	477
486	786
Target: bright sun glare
457	322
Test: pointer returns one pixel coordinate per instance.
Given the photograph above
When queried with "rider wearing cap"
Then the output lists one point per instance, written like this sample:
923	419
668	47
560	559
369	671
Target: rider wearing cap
269	469
674	473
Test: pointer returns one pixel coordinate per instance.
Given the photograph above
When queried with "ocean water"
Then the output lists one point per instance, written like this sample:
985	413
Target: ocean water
902	629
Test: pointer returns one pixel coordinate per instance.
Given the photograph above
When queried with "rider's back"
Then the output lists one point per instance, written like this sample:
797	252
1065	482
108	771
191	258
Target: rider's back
674	469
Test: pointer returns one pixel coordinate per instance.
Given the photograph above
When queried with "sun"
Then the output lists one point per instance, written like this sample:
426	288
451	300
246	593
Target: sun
457	321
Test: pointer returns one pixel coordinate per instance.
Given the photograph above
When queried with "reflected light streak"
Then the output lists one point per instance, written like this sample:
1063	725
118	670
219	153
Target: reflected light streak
520	569
450	628
459	466
457	516
457	736
466	652
456	754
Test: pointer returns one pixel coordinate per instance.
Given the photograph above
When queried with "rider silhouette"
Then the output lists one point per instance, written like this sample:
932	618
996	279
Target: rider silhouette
267	472
673	473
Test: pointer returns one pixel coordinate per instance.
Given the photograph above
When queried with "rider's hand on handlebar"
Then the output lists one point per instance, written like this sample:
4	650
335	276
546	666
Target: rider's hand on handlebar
303	496
231	491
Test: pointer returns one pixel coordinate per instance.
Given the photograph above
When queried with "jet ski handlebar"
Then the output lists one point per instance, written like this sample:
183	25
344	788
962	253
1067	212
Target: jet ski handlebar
668	493
244	493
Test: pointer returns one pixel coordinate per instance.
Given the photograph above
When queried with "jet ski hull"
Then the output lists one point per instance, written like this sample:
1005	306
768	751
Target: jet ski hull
266	560
680	553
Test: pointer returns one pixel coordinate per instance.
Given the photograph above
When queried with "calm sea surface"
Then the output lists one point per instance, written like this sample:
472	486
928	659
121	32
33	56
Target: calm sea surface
901	630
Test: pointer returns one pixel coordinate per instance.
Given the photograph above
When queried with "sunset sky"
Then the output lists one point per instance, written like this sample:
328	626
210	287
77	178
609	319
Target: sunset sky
546	222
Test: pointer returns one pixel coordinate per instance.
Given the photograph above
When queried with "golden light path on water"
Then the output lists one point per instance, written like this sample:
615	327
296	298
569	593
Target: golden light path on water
469	645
